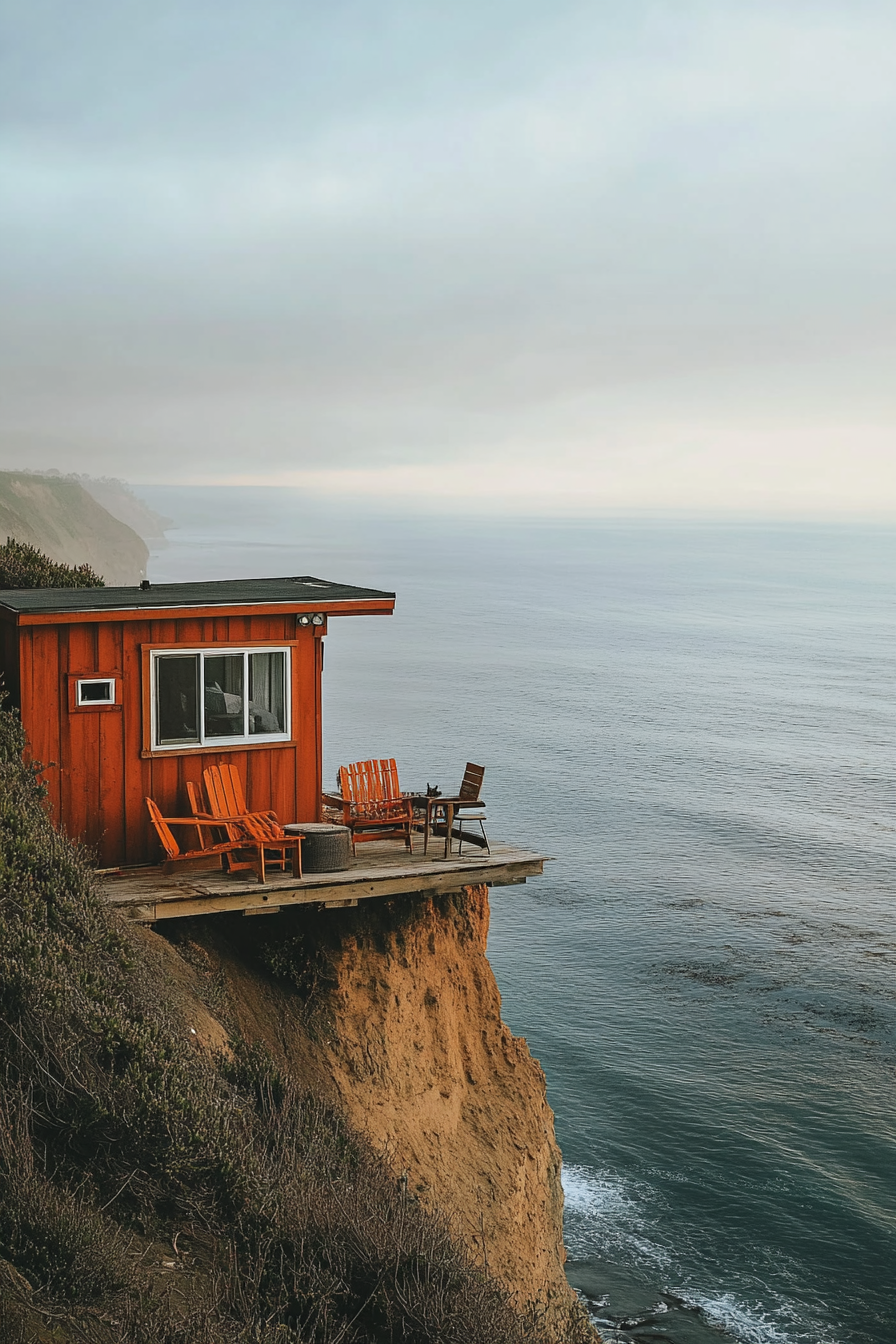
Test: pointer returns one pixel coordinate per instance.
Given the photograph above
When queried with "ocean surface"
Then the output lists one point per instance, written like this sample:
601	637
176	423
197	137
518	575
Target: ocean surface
696	720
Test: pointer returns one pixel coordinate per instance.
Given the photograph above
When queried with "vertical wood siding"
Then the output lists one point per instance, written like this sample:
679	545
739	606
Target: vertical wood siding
99	777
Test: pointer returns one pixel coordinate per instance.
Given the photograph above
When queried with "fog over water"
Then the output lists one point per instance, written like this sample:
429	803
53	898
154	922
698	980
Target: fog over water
521	255
696	720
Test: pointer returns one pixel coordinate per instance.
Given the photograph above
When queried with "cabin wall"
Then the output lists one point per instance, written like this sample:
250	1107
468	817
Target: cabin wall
98	771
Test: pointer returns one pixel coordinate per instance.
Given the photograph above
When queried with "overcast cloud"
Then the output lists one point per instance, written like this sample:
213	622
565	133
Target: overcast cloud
540	255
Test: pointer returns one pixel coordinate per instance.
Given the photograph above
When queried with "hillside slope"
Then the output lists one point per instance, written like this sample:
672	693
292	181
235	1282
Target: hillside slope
63	520
119	499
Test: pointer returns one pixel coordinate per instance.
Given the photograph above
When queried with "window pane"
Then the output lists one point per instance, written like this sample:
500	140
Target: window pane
95	693
267	692
177	698
223	680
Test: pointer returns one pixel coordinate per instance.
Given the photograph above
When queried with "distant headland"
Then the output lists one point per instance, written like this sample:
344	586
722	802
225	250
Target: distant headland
80	519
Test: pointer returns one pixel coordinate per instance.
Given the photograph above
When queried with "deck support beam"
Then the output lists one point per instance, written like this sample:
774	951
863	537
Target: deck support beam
148	896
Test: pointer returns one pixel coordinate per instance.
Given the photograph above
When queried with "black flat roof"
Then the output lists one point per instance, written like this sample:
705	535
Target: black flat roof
300	591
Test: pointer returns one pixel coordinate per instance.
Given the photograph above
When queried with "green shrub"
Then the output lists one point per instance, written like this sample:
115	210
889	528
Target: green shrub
24	566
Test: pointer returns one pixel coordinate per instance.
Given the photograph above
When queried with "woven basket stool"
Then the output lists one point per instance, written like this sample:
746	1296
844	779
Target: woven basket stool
325	849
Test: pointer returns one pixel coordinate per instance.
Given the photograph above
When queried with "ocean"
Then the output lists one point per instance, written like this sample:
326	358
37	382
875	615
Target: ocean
695	719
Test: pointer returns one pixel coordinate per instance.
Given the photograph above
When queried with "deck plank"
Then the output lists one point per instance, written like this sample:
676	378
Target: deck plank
149	894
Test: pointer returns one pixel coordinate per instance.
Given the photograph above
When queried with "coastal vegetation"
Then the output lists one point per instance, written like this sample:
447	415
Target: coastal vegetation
24	566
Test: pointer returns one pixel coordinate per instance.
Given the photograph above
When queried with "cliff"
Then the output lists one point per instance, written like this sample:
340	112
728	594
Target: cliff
118	498
306	1128
392	1010
65	521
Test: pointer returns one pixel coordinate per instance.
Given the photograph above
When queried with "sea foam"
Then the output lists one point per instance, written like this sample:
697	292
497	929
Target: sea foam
606	1214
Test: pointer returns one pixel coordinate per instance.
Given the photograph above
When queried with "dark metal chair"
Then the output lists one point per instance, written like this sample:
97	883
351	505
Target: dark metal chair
453	810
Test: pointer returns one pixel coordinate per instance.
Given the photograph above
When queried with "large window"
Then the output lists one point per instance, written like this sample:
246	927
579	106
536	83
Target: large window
211	697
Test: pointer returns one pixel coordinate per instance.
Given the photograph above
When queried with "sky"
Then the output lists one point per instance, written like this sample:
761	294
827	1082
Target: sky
534	255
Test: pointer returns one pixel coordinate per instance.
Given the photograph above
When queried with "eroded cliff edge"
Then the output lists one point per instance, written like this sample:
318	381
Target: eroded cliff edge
392	1009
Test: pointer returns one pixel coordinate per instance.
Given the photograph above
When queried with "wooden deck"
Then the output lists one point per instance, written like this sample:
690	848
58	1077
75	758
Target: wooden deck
381	869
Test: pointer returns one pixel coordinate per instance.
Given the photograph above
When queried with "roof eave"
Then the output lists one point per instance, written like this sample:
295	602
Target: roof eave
333	607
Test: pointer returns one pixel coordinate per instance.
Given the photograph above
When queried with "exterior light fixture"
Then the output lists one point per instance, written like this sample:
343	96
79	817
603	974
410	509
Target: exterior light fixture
317	618
311	618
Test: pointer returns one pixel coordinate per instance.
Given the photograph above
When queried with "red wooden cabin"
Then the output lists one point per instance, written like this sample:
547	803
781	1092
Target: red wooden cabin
131	692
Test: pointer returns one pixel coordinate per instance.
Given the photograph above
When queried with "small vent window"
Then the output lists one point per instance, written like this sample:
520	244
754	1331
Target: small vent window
97	691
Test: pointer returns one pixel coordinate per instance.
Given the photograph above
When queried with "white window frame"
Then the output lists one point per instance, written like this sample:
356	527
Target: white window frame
81	703
203	743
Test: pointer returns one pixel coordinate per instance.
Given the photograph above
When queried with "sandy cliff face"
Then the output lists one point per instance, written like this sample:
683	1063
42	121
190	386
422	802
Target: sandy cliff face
393	1007
61	519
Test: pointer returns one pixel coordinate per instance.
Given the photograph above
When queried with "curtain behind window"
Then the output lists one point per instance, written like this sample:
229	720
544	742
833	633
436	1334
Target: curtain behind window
267	692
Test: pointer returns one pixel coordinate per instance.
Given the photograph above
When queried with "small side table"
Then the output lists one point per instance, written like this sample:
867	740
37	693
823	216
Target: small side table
325	848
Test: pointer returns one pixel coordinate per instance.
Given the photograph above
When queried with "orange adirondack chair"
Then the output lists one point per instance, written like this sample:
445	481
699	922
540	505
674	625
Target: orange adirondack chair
205	821
174	854
227	807
372	805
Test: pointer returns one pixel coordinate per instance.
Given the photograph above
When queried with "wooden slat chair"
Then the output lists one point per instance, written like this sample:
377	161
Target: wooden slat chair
207	849
227	807
224	793
372	805
452	809
233	862
388	771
